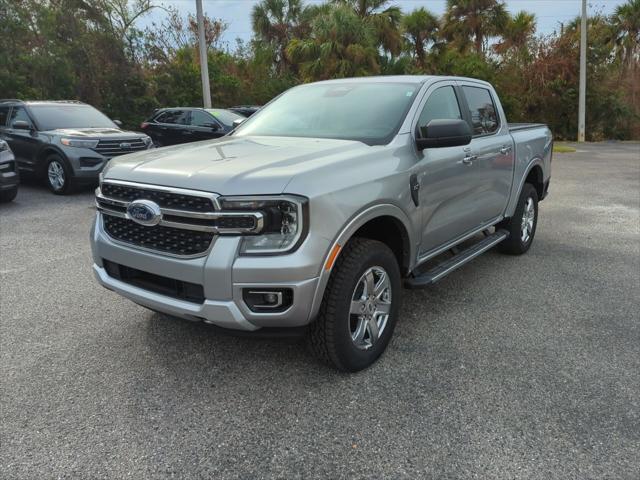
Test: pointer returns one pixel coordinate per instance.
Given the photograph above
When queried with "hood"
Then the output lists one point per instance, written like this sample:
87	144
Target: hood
94	133
232	165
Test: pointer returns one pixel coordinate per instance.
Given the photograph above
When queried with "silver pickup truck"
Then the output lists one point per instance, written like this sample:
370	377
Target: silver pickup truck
316	212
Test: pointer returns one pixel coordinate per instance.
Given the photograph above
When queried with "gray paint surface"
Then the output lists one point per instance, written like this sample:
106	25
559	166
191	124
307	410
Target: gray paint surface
522	367
347	183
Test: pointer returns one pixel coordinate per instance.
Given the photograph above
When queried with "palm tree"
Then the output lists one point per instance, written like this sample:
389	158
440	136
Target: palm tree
385	22
517	32
341	44
626	23
420	28
467	21
277	22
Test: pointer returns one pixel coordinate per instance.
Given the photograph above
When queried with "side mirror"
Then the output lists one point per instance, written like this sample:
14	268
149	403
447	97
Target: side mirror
213	126
21	125
118	123
237	122
443	133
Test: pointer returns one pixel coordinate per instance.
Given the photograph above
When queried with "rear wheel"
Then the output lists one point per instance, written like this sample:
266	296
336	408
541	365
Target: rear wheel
58	175
360	307
522	226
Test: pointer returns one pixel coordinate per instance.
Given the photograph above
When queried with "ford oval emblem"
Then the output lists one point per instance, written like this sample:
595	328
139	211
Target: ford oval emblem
144	212
125	146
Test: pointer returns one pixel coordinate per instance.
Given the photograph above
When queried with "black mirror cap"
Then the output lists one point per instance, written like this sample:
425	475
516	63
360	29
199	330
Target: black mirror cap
21	125
118	123
443	133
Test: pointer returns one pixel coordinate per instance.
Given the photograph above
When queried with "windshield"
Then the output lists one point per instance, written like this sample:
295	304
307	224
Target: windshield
225	116
369	112
50	117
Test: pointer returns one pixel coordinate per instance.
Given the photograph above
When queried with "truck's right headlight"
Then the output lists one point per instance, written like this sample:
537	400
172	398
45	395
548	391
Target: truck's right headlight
285	222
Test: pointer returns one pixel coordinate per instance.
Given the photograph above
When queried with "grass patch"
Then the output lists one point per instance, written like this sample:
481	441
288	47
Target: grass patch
557	148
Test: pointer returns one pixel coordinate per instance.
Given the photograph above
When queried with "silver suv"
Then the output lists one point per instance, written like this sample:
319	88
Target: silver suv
318	208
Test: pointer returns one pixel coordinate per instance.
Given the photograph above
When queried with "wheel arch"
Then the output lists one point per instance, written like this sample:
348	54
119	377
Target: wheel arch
535	172
386	223
43	154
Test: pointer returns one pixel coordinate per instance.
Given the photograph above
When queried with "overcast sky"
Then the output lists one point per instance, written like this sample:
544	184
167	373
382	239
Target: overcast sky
237	13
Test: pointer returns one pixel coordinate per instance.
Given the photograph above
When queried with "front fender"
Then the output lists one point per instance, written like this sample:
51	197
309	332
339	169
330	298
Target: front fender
341	239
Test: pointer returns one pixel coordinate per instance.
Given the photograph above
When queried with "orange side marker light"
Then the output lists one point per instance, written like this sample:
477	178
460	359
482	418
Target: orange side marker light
332	256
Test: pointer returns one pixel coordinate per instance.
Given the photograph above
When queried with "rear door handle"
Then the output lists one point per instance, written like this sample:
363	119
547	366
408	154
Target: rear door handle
505	150
468	160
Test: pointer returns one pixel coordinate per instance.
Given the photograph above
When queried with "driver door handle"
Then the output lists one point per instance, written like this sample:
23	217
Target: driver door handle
468	160
504	150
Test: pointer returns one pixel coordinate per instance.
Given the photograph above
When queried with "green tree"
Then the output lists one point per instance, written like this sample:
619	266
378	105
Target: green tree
385	22
277	22
517	32
473	22
341	44
626	25
420	28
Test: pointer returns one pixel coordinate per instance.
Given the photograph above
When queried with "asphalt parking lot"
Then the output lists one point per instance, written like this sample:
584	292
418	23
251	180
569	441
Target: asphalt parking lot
512	367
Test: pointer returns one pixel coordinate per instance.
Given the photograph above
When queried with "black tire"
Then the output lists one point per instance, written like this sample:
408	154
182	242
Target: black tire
9	194
330	335
68	180
515	244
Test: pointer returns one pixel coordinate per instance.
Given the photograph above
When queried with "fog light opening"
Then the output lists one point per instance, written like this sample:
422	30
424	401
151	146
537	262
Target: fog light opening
268	300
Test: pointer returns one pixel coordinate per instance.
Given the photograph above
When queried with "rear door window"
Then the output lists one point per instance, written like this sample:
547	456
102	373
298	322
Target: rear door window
484	116
442	104
4	114
202	119
174	117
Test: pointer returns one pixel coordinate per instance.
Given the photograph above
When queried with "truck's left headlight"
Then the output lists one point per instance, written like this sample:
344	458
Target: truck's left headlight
285	222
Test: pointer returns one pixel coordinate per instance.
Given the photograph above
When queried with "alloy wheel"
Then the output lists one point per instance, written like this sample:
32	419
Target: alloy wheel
528	219
55	172
370	307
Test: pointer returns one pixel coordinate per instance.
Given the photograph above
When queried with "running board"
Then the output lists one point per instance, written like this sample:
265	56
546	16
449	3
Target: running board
432	276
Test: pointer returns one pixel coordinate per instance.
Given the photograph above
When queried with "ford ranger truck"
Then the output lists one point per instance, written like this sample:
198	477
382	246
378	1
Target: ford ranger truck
319	209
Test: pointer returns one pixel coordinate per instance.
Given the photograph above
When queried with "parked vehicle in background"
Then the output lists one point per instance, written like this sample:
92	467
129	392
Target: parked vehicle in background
246	110
316	210
66	142
9	178
171	126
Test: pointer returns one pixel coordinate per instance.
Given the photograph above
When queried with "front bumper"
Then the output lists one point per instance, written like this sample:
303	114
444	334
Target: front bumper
223	274
9	177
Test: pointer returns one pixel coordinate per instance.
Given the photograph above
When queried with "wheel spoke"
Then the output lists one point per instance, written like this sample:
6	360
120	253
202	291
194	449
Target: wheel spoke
357	307
374	331
381	286
369	283
358	335
383	308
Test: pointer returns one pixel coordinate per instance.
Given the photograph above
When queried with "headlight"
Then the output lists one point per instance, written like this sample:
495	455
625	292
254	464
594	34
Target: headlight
73	142
3	146
284	222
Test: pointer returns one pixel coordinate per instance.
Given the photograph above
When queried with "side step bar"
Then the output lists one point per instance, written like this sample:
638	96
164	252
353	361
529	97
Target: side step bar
432	276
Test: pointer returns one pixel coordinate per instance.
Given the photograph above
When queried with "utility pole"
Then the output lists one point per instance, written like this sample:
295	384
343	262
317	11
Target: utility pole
204	66
583	73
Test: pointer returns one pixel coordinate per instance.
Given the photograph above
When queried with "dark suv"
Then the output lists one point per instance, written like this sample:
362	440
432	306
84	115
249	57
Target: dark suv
64	142
170	126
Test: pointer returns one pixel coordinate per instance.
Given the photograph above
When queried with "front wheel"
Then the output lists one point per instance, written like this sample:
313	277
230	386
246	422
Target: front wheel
522	226
58	175
360	306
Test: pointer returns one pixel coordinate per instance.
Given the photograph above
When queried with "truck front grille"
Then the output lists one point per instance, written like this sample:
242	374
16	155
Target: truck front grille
113	148
165	199
175	241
